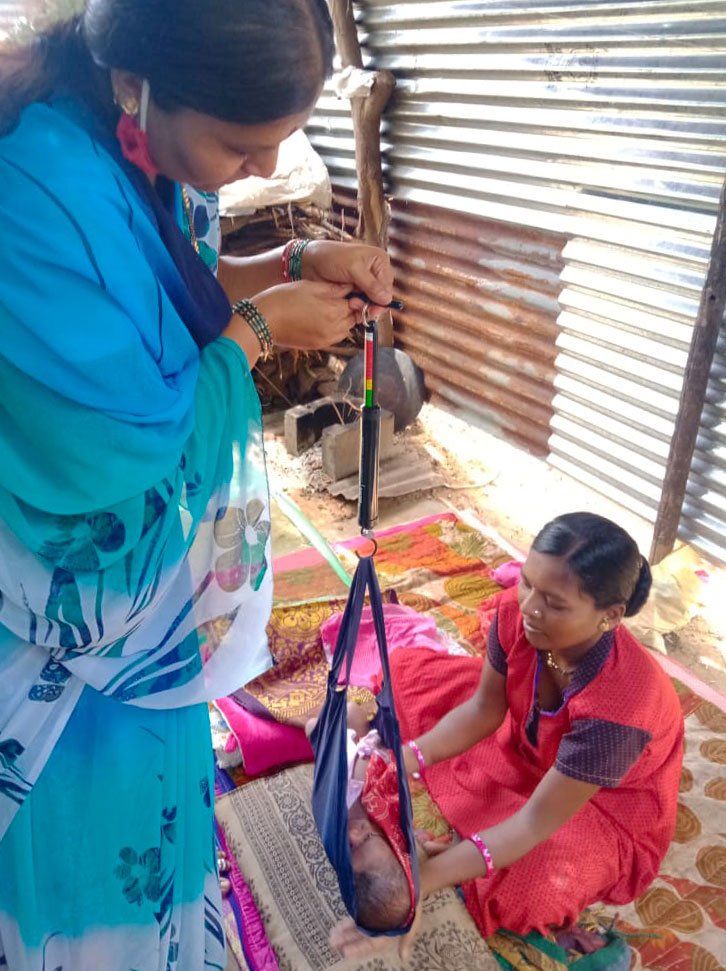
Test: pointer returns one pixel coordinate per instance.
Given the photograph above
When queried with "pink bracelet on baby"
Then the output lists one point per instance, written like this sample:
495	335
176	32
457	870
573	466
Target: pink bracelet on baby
419	758
484	850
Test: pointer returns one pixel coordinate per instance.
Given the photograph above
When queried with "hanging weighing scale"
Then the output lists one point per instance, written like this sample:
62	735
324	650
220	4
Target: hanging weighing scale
370	426
329	738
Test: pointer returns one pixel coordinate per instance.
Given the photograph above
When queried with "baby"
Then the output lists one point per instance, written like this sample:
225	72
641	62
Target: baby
381	882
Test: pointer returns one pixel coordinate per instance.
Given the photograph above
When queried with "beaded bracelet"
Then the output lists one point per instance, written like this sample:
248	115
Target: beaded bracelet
419	758
252	316
484	850
292	259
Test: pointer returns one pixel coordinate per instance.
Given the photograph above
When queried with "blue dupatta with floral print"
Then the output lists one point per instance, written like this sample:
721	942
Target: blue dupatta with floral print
134	513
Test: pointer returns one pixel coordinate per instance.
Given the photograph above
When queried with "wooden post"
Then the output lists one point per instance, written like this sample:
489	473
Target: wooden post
367	110
693	394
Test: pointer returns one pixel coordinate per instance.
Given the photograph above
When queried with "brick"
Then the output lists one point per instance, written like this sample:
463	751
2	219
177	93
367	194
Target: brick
341	446
304	424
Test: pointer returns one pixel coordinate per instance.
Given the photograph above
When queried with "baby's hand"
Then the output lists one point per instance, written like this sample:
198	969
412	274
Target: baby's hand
433	846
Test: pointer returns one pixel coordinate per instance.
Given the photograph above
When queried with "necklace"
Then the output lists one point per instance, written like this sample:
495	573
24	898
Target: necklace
190	218
554	666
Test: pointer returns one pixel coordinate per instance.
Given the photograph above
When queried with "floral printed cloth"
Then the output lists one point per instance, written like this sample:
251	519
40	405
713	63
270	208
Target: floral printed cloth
134	514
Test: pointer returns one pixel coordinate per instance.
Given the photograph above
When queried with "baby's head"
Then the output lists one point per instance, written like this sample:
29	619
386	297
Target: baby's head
382	887
382	865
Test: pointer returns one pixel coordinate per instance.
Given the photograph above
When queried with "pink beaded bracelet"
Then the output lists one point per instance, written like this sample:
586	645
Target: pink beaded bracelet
484	850
419	758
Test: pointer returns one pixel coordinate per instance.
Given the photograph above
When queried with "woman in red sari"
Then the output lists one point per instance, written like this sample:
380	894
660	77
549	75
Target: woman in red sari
559	770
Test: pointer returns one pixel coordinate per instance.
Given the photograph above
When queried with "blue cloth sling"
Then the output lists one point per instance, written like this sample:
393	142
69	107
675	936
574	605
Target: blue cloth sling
329	741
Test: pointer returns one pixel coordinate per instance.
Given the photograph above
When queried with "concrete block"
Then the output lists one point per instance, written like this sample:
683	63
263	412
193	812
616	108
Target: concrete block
341	446
304	424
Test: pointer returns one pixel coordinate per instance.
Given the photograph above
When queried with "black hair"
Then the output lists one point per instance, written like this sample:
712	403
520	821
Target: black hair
56	59
384	898
244	61
603	557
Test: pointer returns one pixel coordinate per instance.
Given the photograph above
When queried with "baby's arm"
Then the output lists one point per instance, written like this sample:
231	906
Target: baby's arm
367	745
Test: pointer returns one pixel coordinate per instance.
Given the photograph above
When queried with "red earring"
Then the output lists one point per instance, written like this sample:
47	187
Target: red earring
133	141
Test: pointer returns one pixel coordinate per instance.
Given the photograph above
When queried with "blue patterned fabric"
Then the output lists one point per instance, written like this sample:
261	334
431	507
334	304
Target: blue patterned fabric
205	225
134	520
115	868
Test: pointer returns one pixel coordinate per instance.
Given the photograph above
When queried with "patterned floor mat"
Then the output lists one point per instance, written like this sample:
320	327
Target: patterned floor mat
270	828
443	567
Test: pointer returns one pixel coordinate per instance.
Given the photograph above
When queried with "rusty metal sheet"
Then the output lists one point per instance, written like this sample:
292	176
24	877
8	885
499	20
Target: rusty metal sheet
480	315
601	124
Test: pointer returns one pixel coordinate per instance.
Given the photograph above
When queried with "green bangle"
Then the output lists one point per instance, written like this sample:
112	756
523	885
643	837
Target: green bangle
297	249
250	313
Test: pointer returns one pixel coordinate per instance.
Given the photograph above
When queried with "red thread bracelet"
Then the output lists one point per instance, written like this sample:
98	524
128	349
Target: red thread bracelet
419	758
484	850
285	259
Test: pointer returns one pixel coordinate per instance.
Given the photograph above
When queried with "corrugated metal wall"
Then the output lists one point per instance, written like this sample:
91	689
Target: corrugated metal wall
480	316
509	109
626	328
602	123
704	513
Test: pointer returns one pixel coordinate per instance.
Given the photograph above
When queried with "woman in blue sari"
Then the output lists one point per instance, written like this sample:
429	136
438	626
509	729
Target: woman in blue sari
134	514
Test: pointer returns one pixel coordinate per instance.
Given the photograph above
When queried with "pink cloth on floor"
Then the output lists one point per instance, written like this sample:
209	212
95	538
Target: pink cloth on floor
508	573
404	628
264	744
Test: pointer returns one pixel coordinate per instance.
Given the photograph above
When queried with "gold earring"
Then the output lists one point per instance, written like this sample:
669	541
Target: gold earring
604	625
129	104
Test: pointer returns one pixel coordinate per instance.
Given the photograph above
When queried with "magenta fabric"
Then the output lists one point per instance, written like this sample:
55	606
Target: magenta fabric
253	937
508	573
404	628
264	744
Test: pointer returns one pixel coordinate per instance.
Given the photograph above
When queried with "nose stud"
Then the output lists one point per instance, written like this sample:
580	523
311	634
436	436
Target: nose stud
537	613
